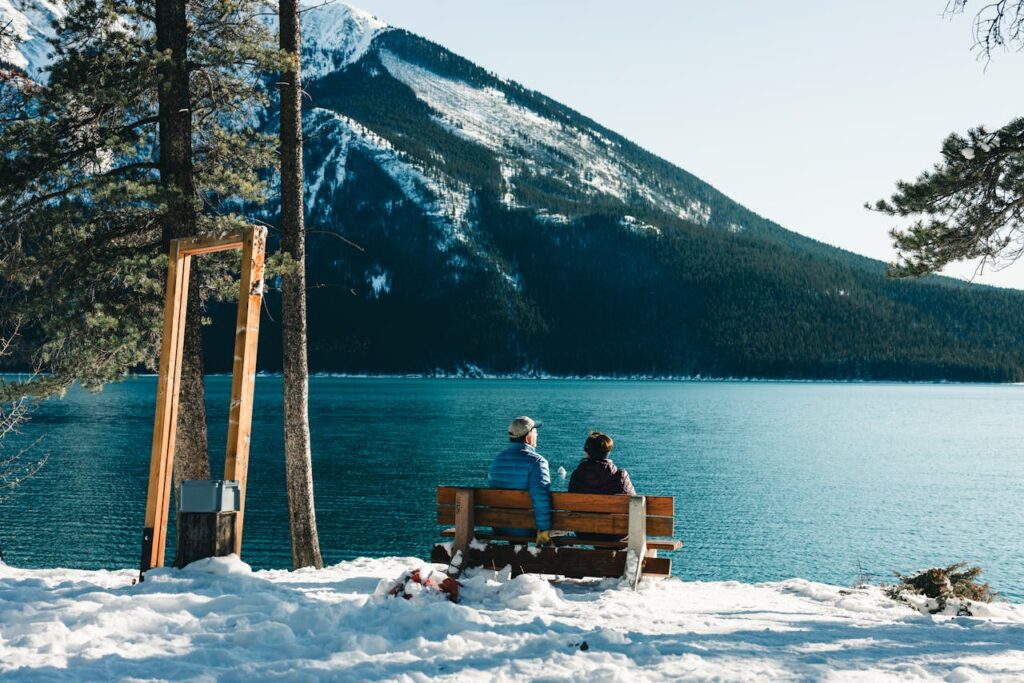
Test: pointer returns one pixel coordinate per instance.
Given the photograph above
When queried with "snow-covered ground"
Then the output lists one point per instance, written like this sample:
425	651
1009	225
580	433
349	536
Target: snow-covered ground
224	622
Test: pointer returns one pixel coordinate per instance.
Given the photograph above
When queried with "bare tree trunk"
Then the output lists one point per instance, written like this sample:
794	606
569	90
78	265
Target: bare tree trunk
191	455
297	455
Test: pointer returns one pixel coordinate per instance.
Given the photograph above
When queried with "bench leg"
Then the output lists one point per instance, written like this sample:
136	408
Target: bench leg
464	525
636	545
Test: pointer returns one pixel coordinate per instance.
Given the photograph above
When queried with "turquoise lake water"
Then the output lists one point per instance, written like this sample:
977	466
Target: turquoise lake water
772	480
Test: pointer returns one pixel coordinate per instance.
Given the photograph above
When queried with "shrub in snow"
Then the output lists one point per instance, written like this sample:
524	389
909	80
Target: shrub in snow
937	589
422	582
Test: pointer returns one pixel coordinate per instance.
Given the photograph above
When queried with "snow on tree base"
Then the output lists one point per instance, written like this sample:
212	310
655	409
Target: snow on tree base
219	620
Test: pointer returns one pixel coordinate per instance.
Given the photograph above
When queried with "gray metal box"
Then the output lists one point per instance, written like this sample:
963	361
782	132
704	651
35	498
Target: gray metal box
209	496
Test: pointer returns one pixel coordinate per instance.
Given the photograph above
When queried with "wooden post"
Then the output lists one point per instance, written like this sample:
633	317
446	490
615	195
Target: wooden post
252	241
243	371
154	534
464	526
636	545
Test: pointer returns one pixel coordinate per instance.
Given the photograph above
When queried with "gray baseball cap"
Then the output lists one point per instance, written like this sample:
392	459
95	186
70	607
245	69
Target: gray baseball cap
521	426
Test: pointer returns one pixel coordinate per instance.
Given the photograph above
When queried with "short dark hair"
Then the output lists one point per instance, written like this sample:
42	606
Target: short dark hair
598	445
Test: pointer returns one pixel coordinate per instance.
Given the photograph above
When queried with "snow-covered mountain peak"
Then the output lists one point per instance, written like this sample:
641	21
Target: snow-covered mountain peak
339	20
334	35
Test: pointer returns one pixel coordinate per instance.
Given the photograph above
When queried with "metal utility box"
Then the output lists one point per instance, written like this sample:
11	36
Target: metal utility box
209	496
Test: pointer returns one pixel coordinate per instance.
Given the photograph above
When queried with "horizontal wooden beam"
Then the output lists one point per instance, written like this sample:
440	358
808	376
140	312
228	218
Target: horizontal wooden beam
590	522
563	541
659	506
193	246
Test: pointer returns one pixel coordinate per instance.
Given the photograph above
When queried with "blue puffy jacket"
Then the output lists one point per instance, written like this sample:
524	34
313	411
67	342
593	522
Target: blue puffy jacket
521	467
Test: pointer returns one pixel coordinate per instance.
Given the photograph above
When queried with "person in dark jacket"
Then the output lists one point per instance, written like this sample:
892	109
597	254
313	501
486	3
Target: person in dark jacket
596	473
521	467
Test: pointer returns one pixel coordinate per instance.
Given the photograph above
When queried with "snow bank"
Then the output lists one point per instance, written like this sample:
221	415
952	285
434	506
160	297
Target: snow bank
219	620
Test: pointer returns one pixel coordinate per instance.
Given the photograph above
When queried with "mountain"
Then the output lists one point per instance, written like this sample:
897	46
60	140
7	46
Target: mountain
505	230
497	228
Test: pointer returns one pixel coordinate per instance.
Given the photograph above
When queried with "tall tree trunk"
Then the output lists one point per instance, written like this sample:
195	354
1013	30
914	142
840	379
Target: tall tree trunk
297	455
191	456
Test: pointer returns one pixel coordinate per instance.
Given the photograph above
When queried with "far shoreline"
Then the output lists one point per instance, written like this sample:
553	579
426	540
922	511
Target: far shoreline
544	377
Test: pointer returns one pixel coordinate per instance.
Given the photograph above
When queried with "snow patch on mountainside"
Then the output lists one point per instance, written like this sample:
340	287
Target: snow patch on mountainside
447	203
379	280
695	211
31	23
329	175
487	117
636	225
334	36
526	142
544	216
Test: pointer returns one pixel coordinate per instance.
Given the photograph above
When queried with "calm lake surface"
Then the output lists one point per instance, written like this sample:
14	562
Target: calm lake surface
772	480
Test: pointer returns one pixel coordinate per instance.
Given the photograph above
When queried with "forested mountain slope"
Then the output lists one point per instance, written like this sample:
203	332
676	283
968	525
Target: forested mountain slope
500	229
505	230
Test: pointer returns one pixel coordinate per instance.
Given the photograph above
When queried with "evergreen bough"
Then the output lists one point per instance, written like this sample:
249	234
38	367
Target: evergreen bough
955	582
969	206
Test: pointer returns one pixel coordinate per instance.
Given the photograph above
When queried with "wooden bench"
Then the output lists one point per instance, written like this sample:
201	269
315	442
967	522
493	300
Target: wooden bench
638	518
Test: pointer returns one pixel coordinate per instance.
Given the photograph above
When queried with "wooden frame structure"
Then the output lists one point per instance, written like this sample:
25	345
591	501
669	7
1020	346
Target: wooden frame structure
252	241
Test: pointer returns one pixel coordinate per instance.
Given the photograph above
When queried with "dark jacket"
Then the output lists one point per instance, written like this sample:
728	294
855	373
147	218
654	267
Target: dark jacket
600	476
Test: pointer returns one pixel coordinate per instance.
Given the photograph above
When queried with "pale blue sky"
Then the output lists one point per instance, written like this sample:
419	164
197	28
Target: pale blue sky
800	110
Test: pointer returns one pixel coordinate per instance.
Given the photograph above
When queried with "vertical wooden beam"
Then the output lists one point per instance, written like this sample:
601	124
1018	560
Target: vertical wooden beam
464	528
243	373
636	544
154	535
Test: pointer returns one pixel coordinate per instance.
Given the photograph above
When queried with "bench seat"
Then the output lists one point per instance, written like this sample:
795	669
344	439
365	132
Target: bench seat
564	541
642	522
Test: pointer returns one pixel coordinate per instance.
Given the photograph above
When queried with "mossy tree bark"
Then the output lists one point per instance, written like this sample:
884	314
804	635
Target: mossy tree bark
297	451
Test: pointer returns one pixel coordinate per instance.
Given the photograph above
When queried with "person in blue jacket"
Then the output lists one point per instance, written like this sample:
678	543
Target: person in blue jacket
521	467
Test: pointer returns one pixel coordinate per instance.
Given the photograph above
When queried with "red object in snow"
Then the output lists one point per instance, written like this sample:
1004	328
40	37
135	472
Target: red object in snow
448	586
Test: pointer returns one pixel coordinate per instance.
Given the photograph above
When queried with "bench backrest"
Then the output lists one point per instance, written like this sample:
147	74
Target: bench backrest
585	512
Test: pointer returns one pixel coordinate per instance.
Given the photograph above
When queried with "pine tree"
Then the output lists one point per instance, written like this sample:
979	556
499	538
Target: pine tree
142	133
298	458
180	219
